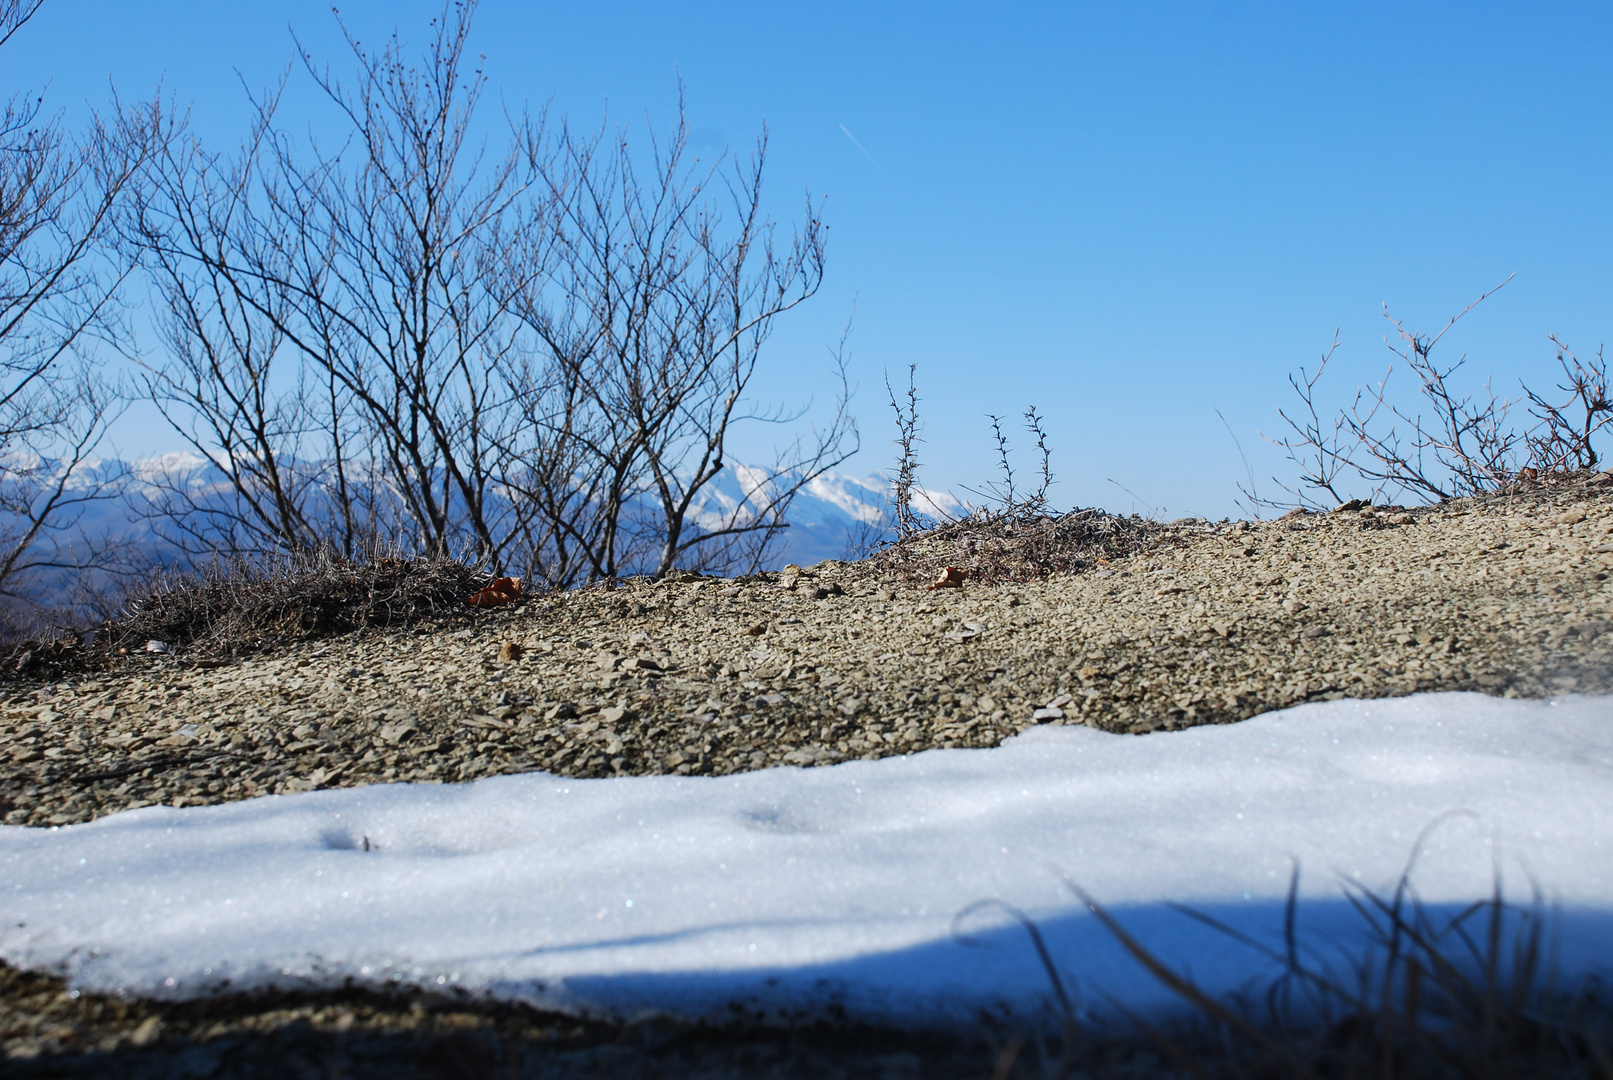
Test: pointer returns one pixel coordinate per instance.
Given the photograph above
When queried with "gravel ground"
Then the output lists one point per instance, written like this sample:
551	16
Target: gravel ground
48	1031
1210	623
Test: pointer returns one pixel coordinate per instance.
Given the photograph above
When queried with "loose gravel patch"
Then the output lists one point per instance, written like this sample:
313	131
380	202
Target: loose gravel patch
1210	624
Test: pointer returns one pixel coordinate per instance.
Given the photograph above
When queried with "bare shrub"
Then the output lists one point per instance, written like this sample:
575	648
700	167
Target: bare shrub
649	305
59	308
1320	448
908	521
1467	449
339	306
1011	535
230	381
1003	500
535	354
1465	445
1561	442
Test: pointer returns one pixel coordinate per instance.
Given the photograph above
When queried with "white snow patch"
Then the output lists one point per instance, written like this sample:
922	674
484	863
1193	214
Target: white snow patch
798	889
860	498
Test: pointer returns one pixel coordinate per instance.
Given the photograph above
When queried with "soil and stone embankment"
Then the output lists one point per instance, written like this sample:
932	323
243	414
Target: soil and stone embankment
1204	624
1208	623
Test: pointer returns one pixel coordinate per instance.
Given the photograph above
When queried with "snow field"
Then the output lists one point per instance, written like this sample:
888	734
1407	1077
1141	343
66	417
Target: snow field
792	890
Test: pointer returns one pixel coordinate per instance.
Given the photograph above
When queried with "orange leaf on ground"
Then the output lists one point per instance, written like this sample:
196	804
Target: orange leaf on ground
502	591
950	578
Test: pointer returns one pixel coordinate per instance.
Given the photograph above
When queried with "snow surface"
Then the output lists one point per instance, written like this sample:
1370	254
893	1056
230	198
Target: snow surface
801	889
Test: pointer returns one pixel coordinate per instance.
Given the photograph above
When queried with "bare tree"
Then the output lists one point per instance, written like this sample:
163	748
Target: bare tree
665	285
58	306
402	236
282	432
336	344
534	356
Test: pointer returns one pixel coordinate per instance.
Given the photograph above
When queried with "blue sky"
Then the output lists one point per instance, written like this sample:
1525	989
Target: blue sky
1128	215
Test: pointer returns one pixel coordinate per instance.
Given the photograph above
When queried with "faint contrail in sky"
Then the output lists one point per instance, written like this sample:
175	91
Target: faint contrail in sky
860	146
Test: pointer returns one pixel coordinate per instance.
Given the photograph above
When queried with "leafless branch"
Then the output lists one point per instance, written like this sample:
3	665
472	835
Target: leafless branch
908	521
60	282
1562	440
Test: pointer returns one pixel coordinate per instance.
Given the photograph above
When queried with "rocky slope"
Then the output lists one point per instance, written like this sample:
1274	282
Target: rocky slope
1210	623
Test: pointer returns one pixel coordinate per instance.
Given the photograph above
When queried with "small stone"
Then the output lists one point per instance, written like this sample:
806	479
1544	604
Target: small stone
1046	713
615	714
1312	632
149	1031
155	646
757	630
396	733
850	707
511	650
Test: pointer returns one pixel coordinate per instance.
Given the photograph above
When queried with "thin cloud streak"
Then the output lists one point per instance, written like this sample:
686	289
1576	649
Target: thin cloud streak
864	150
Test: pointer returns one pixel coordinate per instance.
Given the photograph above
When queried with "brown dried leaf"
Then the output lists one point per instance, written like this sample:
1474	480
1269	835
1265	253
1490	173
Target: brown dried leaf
501	591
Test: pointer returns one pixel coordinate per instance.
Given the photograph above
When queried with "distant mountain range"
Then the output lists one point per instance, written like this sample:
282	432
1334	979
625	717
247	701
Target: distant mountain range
835	516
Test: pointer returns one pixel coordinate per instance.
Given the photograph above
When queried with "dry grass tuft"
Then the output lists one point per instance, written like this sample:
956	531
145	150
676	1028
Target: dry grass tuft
244	606
1440	994
1001	548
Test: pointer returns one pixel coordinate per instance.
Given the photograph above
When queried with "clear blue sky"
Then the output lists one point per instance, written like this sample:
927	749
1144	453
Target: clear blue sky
1130	215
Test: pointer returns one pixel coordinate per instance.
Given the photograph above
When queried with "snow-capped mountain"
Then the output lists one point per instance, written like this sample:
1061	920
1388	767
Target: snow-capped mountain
834	516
